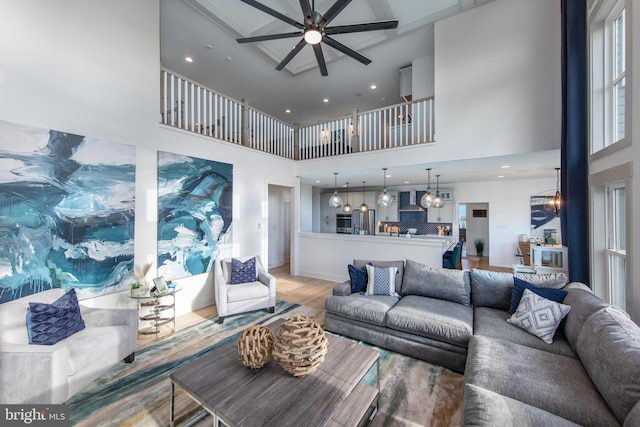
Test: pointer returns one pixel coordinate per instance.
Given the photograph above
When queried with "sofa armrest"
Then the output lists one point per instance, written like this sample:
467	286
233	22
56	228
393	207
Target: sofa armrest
96	317
342	289
34	373
270	281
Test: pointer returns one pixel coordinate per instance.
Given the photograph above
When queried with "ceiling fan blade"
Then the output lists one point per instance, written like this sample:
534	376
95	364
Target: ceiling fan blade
268	37
333	11
291	54
273	13
342	48
317	49
307	11
355	28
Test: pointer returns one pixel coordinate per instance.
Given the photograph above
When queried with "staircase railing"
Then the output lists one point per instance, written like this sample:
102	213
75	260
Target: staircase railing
187	105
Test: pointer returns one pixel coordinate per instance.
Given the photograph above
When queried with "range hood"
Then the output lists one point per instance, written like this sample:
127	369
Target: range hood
412	206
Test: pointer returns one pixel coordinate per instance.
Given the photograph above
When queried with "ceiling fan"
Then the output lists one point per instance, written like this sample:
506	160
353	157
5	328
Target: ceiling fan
315	30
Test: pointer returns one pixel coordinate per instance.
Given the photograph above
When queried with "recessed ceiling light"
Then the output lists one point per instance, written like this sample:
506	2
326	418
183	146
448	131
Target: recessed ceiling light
317	181
505	166
388	175
287	111
208	46
407	182
188	59
326	100
228	58
500	176
373	87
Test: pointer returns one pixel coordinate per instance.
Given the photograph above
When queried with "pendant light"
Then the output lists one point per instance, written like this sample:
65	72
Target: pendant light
347	208
437	201
426	201
555	200
384	200
363	206
335	201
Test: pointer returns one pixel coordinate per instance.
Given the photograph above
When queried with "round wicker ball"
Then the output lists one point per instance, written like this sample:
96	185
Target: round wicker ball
255	346
300	346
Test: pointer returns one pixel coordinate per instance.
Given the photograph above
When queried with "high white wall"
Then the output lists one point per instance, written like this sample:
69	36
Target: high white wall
422	84
498	78
92	68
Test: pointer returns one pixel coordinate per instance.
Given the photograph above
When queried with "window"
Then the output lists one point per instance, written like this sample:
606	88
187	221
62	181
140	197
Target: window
607	31
616	244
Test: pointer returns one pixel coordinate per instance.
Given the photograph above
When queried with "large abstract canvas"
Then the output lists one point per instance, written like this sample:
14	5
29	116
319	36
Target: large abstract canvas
194	213
66	212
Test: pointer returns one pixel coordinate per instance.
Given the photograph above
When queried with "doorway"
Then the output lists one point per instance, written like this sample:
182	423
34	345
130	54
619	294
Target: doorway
476	223
279	223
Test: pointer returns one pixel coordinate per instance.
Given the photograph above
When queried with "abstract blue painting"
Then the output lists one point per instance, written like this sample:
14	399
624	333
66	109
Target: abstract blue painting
66	212
194	213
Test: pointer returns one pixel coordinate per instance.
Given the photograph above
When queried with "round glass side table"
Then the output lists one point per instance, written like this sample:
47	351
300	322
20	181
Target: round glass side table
157	313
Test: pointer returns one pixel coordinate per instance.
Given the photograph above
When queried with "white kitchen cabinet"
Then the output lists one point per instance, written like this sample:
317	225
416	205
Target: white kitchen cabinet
441	215
390	213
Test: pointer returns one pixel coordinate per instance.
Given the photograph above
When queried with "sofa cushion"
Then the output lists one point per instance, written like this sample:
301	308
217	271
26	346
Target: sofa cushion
381	280
492	323
49	323
548	381
366	308
432	318
609	347
360	263
546	280
519	286
436	282
583	304
491	289
538	315
483	407
358	278
243	272
247	291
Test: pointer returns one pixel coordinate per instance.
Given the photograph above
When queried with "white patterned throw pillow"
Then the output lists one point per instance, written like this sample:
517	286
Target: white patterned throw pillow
382	280
538	315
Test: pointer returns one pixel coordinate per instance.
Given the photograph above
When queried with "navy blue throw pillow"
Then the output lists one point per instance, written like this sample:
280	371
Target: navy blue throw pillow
520	285
49	323
243	272
359	278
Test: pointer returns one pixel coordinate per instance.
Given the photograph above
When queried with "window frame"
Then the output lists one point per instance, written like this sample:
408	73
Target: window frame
615	250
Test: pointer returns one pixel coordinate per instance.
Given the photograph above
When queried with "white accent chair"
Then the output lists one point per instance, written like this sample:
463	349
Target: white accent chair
52	374
243	297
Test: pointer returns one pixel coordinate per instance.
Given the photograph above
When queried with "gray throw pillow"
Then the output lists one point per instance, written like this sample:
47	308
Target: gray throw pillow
436	282
360	263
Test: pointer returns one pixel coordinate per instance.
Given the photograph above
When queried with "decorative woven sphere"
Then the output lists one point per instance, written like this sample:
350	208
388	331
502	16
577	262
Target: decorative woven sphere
300	346
255	346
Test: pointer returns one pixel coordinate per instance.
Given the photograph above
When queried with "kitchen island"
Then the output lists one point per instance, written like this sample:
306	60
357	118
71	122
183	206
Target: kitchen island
326	256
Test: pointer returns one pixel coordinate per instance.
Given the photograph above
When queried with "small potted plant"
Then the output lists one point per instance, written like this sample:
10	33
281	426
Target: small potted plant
479	246
138	289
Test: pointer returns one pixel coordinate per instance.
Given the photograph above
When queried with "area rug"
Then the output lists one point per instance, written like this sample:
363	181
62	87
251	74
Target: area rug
413	393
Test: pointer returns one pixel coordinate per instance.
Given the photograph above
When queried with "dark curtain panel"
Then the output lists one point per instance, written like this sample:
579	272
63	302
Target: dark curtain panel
574	214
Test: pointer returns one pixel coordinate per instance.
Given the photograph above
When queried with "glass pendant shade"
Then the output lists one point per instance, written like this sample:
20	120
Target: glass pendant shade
363	206
347	208
384	200
555	200
335	201
426	201
437	200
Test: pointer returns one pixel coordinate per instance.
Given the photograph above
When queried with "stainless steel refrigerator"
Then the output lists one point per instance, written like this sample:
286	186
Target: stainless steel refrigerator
366	221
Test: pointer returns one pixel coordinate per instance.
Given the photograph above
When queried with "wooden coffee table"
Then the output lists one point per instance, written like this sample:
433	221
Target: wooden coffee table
333	395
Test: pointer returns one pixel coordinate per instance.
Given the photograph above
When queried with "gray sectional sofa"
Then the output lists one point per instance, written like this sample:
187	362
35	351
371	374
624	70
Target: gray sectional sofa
589	375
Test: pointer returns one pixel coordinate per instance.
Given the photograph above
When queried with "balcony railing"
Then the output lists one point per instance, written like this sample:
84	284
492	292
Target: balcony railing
187	105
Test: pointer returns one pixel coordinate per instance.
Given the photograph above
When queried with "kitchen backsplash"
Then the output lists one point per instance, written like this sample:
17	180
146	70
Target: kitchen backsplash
415	220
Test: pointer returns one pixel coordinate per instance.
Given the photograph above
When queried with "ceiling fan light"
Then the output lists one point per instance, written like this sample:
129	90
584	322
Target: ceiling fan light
312	36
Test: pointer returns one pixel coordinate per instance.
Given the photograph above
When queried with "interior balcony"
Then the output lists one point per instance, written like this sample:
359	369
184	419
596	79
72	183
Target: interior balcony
187	105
